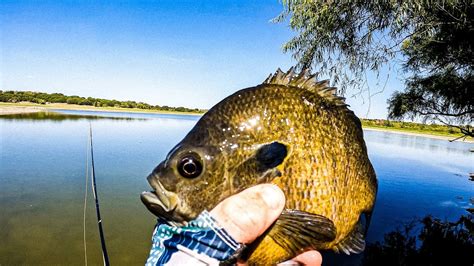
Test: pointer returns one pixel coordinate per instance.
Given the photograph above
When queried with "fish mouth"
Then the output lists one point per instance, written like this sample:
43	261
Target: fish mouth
157	204
160	201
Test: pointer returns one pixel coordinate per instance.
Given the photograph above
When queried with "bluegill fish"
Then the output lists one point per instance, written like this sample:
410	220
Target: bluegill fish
293	131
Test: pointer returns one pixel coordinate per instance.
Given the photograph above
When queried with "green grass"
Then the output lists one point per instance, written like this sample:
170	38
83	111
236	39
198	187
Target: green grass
418	128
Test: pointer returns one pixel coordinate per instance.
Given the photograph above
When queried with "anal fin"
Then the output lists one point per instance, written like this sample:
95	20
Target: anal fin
298	230
354	243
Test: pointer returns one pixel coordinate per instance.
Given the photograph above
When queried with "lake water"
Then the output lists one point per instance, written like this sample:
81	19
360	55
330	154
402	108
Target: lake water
42	182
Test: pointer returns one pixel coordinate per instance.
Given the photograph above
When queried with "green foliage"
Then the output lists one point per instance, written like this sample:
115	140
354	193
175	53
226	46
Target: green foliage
345	39
44	98
442	62
444	93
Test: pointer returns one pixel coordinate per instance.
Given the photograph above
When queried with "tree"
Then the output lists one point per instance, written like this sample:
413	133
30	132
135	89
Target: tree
442	62
347	39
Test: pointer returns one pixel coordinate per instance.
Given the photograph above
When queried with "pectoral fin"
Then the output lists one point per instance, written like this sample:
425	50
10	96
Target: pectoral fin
298	230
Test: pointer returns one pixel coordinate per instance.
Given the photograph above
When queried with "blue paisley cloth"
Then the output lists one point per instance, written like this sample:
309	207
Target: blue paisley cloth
201	242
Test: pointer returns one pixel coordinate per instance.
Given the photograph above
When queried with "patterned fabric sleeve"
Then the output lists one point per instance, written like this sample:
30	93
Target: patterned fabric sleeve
201	242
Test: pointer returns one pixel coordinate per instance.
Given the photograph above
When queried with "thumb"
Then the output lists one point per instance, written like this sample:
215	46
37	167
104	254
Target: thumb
246	215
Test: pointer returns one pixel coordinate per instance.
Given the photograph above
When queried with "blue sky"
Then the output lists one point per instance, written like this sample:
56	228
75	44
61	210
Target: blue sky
177	53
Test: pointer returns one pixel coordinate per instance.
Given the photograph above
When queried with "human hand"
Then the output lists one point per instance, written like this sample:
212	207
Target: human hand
247	215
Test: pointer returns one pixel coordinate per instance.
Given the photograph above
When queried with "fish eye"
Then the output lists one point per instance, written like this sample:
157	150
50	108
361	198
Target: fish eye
190	166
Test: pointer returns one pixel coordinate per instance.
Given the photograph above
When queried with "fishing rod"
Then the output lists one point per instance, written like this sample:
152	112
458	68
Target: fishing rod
105	256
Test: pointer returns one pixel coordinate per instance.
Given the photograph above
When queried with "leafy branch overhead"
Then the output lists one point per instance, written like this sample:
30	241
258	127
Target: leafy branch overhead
441	62
346	38
433	41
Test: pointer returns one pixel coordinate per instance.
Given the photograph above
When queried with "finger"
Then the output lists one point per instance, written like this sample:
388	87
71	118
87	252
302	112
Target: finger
249	213
309	258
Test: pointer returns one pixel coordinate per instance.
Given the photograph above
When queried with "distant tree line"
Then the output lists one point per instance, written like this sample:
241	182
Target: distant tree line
45	98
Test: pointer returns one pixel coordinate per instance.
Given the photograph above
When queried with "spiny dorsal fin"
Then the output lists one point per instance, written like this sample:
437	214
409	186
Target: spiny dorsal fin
305	80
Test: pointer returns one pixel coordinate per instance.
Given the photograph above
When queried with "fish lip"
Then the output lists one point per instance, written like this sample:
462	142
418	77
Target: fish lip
155	204
159	201
164	203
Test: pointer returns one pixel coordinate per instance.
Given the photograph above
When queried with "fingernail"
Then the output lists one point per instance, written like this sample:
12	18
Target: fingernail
289	263
273	197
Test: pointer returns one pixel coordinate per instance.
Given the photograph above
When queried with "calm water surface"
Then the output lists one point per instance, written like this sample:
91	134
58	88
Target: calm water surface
42	182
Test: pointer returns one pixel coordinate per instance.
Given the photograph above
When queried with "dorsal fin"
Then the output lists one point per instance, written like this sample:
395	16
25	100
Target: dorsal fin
307	81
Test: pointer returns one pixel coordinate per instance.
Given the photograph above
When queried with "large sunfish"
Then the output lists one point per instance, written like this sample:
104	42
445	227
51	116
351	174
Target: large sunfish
292	131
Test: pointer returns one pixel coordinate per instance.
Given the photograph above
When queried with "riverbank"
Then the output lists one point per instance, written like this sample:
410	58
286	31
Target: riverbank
426	135
24	107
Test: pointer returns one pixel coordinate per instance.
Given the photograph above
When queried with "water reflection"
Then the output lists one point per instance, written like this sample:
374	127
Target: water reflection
120	114
59	117
72	115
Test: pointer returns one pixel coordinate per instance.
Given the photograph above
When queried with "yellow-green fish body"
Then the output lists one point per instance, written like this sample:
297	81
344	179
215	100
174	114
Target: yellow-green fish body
291	131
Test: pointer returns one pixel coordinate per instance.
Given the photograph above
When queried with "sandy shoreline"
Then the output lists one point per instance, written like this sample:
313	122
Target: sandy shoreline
22	108
13	110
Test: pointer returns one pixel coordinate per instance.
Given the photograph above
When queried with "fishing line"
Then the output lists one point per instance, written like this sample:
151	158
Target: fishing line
105	256
85	201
